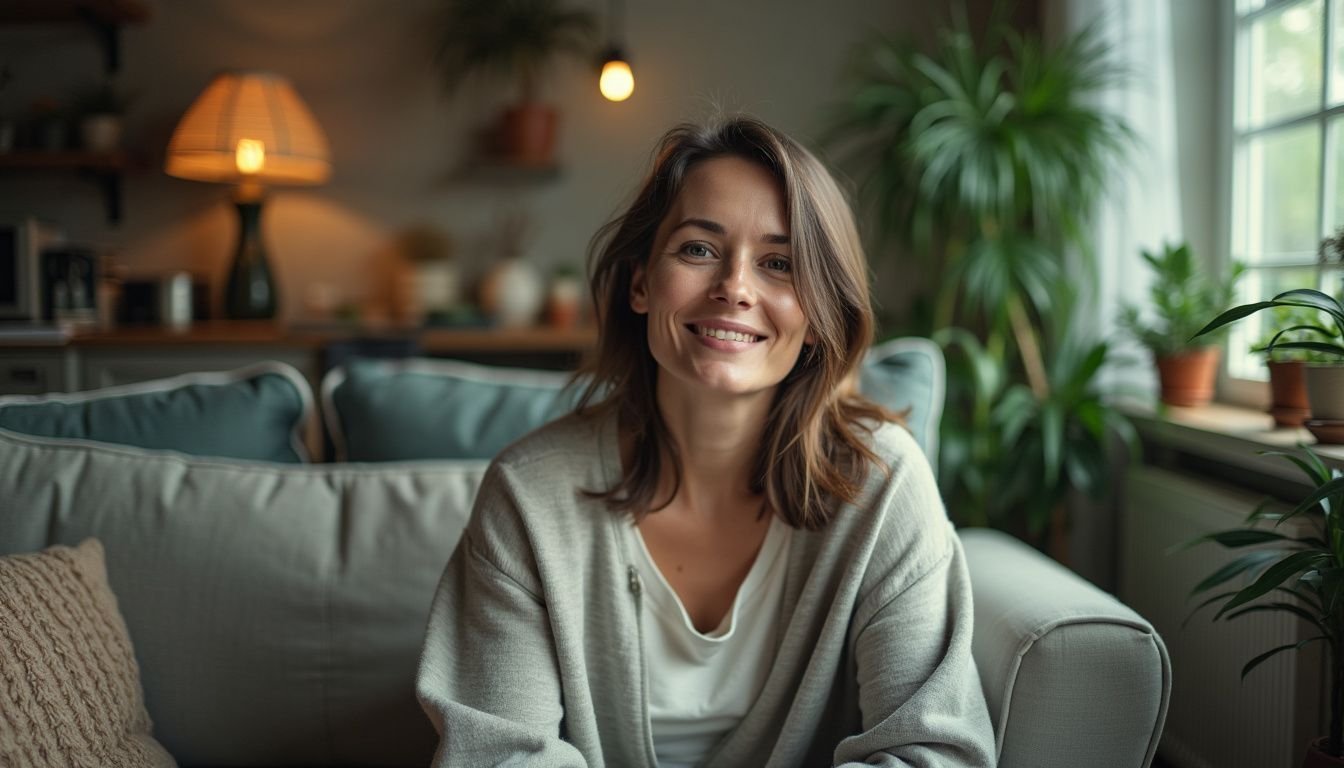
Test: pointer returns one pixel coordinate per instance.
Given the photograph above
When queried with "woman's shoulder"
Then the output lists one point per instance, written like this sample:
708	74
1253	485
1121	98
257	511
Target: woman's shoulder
573	440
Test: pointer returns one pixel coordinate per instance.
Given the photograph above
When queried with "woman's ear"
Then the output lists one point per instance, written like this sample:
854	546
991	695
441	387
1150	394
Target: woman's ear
639	291
810	338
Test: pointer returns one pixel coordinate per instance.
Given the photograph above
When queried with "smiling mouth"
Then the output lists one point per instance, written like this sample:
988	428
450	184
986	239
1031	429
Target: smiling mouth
719	333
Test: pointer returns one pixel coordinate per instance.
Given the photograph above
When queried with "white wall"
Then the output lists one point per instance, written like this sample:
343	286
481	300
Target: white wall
365	69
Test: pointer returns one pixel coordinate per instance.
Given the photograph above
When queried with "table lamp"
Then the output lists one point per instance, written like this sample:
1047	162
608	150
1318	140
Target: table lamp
249	129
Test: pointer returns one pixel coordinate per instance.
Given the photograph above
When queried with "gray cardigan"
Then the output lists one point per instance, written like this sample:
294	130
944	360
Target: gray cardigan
533	654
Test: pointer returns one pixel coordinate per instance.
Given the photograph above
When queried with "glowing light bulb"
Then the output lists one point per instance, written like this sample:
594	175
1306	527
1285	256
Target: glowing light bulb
250	156
617	81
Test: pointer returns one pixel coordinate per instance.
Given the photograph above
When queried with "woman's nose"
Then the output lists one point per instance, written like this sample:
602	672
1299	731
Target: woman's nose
735	283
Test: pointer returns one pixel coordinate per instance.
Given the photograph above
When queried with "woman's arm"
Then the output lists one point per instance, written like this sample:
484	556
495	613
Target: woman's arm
919	691
488	673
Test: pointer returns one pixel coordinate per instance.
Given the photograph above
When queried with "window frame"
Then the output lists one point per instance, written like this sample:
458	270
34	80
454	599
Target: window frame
1234	26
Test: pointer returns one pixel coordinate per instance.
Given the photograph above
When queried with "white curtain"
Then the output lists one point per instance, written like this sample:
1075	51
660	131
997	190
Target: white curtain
1142	209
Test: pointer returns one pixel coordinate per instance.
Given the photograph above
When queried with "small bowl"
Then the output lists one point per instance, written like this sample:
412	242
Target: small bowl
1329	431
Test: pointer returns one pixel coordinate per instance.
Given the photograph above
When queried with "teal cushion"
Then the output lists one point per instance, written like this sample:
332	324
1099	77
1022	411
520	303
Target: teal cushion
259	412
379	410
908	373
396	410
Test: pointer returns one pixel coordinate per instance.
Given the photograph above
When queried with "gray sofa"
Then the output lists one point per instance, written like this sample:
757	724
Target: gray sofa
277	609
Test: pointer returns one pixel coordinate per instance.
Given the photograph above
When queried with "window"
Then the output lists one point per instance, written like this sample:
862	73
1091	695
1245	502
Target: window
1287	155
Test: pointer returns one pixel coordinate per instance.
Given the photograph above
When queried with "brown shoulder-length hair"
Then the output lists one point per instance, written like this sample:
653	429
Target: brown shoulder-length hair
814	451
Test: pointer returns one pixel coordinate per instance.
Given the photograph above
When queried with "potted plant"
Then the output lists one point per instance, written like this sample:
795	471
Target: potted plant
1298	574
1325	380
517	41
1287	377
1181	295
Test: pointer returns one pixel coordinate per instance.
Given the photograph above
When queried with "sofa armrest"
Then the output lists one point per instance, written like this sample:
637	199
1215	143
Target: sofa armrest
1071	675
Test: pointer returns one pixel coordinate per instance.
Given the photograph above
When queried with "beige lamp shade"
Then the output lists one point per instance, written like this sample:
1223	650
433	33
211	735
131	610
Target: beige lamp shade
249	127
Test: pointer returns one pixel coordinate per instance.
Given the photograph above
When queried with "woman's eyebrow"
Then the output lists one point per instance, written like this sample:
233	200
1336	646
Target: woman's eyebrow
718	229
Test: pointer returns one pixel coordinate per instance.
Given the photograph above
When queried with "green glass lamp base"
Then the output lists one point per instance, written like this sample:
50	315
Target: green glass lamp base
250	293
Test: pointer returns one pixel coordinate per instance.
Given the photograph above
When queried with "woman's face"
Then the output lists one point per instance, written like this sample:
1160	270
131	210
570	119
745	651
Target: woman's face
718	287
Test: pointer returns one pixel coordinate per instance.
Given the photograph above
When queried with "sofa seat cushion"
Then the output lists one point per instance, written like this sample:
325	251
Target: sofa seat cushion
260	412
277	610
71	689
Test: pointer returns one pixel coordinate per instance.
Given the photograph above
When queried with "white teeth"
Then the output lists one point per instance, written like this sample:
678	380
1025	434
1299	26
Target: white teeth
719	333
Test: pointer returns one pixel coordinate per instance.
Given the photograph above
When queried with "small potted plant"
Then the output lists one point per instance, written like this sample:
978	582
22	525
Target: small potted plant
517	41
1287	366
1181	297
1298	574
1325	380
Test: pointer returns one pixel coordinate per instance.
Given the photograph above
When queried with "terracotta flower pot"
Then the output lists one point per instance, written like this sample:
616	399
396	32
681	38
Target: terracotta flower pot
1317	758
527	135
1288	393
1187	377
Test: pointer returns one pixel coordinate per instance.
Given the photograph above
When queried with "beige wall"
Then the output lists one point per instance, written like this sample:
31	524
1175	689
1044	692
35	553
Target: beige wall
398	144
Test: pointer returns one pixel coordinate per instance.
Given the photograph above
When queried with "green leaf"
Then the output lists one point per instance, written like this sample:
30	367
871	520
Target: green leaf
1262	658
1246	562
1209	601
1309	297
1296	610
1273	577
1232	315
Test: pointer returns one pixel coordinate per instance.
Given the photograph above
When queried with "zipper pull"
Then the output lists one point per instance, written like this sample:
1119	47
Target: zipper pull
635	586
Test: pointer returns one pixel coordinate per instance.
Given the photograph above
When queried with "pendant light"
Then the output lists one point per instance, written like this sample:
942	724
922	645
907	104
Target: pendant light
617	81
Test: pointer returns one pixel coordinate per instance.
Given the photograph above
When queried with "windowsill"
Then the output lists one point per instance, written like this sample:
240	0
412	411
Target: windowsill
1231	435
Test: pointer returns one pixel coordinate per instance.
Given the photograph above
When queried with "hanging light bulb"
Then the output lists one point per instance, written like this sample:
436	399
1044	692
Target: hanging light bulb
617	81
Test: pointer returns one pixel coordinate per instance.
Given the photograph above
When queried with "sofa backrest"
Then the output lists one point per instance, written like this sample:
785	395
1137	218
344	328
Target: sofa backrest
276	610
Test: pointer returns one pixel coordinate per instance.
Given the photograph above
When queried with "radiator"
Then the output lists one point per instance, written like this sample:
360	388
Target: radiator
1215	720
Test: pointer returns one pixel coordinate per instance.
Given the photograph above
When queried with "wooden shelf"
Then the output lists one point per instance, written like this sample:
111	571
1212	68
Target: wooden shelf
32	160
69	11
105	168
104	17
260	332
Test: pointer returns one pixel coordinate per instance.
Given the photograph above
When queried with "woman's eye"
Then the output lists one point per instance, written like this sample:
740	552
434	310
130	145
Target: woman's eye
778	264
697	250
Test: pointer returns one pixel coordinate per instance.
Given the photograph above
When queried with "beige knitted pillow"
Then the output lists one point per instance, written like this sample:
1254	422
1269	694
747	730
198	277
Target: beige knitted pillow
69	685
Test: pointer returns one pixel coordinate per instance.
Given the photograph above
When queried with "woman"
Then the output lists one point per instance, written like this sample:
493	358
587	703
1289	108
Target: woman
724	557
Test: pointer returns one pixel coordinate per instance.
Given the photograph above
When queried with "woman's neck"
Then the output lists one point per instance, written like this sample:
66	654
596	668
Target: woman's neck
718	438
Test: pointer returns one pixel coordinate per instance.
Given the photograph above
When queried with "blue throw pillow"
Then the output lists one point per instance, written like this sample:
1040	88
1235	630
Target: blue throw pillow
909	373
260	412
397	410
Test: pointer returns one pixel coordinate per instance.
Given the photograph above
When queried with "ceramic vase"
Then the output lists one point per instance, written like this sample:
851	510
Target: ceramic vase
512	293
1325	390
100	133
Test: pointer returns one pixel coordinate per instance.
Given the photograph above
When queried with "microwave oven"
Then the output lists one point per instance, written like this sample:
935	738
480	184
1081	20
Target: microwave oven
24	241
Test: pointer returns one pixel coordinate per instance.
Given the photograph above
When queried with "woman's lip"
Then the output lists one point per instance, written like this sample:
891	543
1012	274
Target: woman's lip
723	345
700	328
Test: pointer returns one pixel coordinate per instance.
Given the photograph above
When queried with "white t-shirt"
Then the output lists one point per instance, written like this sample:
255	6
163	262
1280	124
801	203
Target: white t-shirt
700	686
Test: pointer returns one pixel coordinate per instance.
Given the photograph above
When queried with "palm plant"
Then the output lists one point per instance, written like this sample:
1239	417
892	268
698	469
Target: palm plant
1307	570
985	154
